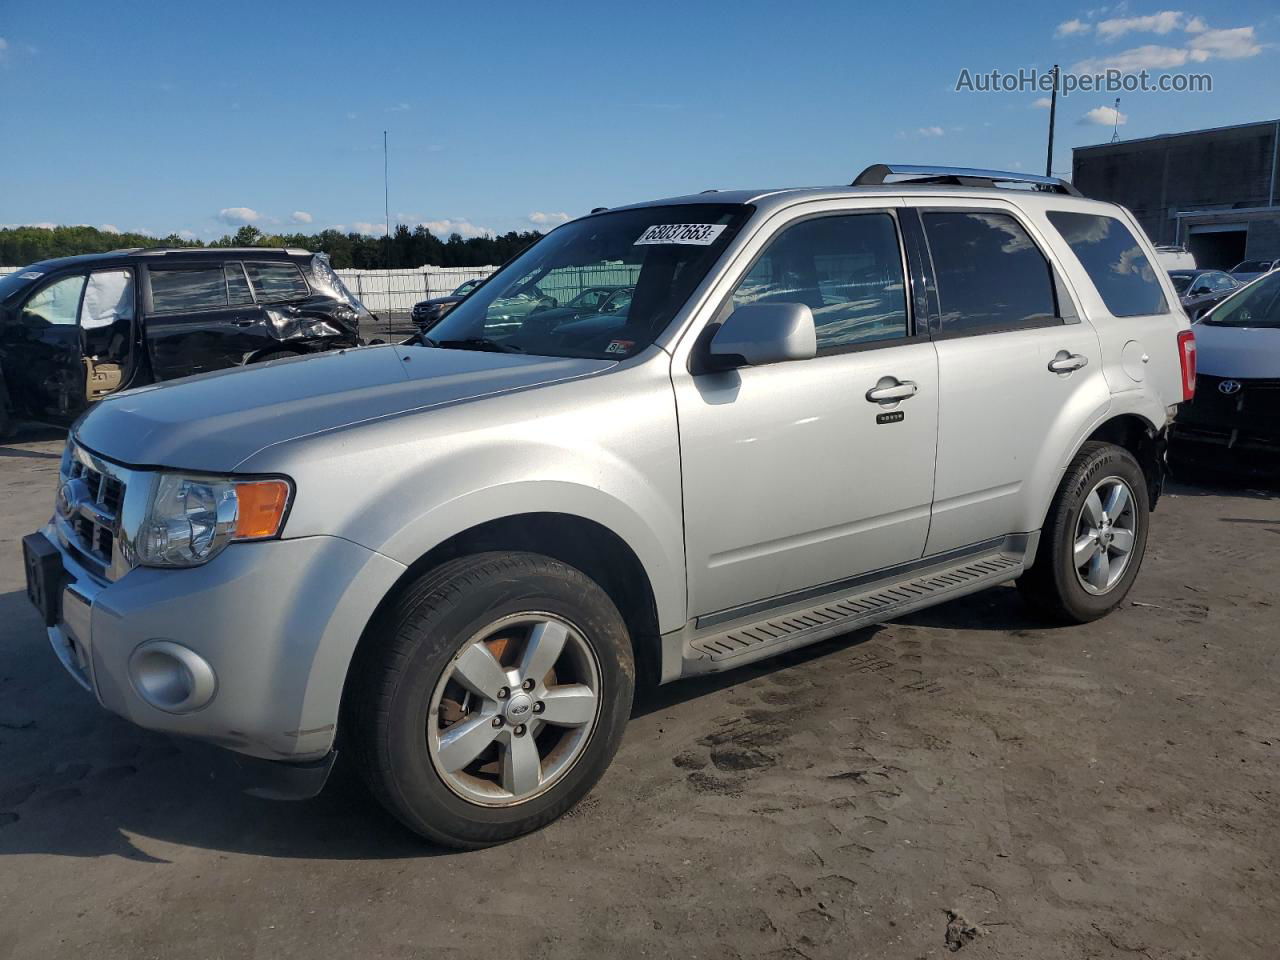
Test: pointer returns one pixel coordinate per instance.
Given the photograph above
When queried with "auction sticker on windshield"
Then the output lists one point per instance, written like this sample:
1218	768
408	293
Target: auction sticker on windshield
692	234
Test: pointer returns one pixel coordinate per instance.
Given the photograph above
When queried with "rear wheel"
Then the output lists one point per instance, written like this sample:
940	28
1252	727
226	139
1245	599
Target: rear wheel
1094	538
491	697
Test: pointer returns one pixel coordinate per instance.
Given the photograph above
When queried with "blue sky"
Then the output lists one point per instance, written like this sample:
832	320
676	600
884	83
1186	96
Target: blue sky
197	117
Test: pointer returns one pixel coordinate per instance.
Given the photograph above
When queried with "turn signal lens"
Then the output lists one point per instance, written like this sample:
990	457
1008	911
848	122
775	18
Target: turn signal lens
262	504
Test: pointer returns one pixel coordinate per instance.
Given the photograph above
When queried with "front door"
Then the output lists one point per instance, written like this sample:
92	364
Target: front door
795	475
201	317
45	374
1019	374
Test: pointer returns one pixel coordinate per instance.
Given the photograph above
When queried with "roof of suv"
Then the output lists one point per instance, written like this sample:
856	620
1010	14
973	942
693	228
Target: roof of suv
160	253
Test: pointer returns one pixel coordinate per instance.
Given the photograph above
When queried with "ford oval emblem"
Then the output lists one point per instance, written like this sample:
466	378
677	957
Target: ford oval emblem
1229	387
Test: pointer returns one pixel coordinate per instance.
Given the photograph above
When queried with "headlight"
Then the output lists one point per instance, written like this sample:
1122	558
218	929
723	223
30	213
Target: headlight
191	519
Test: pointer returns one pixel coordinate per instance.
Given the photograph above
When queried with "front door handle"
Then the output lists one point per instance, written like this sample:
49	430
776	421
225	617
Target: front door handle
243	321
891	390
1066	362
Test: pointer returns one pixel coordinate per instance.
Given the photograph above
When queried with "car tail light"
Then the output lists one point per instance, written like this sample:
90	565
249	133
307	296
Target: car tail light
1187	356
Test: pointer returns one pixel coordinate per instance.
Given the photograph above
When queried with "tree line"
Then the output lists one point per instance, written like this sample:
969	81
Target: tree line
418	247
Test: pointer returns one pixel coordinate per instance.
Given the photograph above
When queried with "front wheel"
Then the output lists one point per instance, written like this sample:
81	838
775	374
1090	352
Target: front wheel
490	697
1093	539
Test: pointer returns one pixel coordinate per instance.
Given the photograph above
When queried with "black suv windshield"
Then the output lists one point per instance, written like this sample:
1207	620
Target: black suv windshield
1257	305
656	254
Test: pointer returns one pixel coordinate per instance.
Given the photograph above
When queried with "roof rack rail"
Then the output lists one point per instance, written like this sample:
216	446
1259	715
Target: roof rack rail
877	174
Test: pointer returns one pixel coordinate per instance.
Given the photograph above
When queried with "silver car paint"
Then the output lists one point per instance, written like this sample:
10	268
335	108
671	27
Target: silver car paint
395	449
1246	352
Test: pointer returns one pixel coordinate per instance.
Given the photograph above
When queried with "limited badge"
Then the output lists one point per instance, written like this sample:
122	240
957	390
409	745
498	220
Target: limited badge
619	346
688	234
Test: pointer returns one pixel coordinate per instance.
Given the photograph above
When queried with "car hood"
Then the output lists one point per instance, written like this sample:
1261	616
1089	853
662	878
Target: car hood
1245	352
215	421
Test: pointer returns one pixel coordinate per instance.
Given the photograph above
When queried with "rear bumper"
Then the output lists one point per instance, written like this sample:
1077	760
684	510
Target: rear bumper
274	623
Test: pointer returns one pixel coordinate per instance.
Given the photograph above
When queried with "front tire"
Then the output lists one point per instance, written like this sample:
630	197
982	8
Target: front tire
490	697
1093	539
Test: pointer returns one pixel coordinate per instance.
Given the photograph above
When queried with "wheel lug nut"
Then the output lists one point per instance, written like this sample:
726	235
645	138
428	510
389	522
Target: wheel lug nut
538	707
527	685
497	721
519	730
503	693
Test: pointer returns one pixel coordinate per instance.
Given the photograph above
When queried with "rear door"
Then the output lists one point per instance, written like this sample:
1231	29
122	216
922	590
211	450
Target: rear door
1019	372
201	316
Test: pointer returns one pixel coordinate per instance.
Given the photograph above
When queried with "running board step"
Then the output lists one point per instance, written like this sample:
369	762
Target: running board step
722	648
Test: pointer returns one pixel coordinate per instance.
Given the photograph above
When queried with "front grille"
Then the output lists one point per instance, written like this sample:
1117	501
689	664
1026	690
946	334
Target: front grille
90	500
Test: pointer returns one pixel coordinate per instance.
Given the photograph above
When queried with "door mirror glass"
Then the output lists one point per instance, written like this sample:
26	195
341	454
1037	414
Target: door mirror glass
760	333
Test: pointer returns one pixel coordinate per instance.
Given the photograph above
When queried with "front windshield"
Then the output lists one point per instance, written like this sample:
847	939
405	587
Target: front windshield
604	286
11	283
1180	282
1257	305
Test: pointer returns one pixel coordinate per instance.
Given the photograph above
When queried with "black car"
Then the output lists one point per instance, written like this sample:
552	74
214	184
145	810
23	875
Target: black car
1198	290
427	312
76	329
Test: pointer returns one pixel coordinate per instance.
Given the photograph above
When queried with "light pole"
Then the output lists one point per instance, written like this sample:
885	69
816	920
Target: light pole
1053	114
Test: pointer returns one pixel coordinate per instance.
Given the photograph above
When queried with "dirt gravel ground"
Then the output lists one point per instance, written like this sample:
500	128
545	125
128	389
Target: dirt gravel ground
967	778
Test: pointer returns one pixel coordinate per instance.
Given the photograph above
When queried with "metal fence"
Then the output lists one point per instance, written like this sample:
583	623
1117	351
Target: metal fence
392	293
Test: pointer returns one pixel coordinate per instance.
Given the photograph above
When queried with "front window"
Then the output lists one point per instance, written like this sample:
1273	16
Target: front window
1257	305
638	267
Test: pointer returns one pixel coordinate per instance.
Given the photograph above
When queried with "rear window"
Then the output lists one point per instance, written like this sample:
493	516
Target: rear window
991	275
1180	281
274	282
1111	256
184	289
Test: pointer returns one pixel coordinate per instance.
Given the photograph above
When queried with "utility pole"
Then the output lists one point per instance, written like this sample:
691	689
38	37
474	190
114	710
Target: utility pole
386	189
1053	114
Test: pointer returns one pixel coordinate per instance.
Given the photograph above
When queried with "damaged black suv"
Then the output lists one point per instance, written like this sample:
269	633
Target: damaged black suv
76	329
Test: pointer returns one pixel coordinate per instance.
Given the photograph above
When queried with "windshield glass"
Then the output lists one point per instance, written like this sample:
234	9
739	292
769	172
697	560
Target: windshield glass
1180	281
11	283
1251	266
604	286
1257	305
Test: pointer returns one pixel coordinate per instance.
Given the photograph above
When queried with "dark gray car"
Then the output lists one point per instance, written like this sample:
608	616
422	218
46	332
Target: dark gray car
1198	290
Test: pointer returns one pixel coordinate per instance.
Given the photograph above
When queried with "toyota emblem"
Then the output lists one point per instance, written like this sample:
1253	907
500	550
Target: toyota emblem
1229	387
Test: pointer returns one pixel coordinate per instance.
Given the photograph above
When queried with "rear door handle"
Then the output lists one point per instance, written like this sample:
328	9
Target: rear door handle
891	390
243	321
1066	362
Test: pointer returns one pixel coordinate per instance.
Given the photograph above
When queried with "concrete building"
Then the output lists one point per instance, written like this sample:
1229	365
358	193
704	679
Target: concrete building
1215	191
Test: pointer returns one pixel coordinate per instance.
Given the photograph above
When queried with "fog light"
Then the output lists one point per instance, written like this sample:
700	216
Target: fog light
171	677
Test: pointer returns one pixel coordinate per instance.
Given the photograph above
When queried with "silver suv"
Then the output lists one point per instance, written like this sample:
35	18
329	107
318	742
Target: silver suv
451	558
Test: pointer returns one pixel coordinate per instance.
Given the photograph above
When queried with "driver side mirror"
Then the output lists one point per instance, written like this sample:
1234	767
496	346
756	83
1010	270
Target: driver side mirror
760	333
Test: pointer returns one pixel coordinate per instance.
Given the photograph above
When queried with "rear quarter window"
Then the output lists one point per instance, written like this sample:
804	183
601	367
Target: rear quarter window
276	282
1114	261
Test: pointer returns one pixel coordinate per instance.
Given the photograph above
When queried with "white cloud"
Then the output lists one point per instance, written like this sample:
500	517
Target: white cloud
238	216
548	219
1072	28
929	131
461	226
1166	21
300	216
1196	25
351	116
187	234
400	107
1233	44
1104	117
1149	57
369	229
109	228
1043	103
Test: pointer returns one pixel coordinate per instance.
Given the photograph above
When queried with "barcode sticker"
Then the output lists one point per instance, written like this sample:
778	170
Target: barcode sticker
689	234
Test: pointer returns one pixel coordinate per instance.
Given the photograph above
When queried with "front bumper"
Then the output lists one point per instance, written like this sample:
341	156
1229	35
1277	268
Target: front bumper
276	622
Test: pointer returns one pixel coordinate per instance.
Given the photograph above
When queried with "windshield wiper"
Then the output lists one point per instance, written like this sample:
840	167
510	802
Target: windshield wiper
479	343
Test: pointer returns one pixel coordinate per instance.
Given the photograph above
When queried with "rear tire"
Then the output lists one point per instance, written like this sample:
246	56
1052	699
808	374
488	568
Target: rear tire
1093	539
425	678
